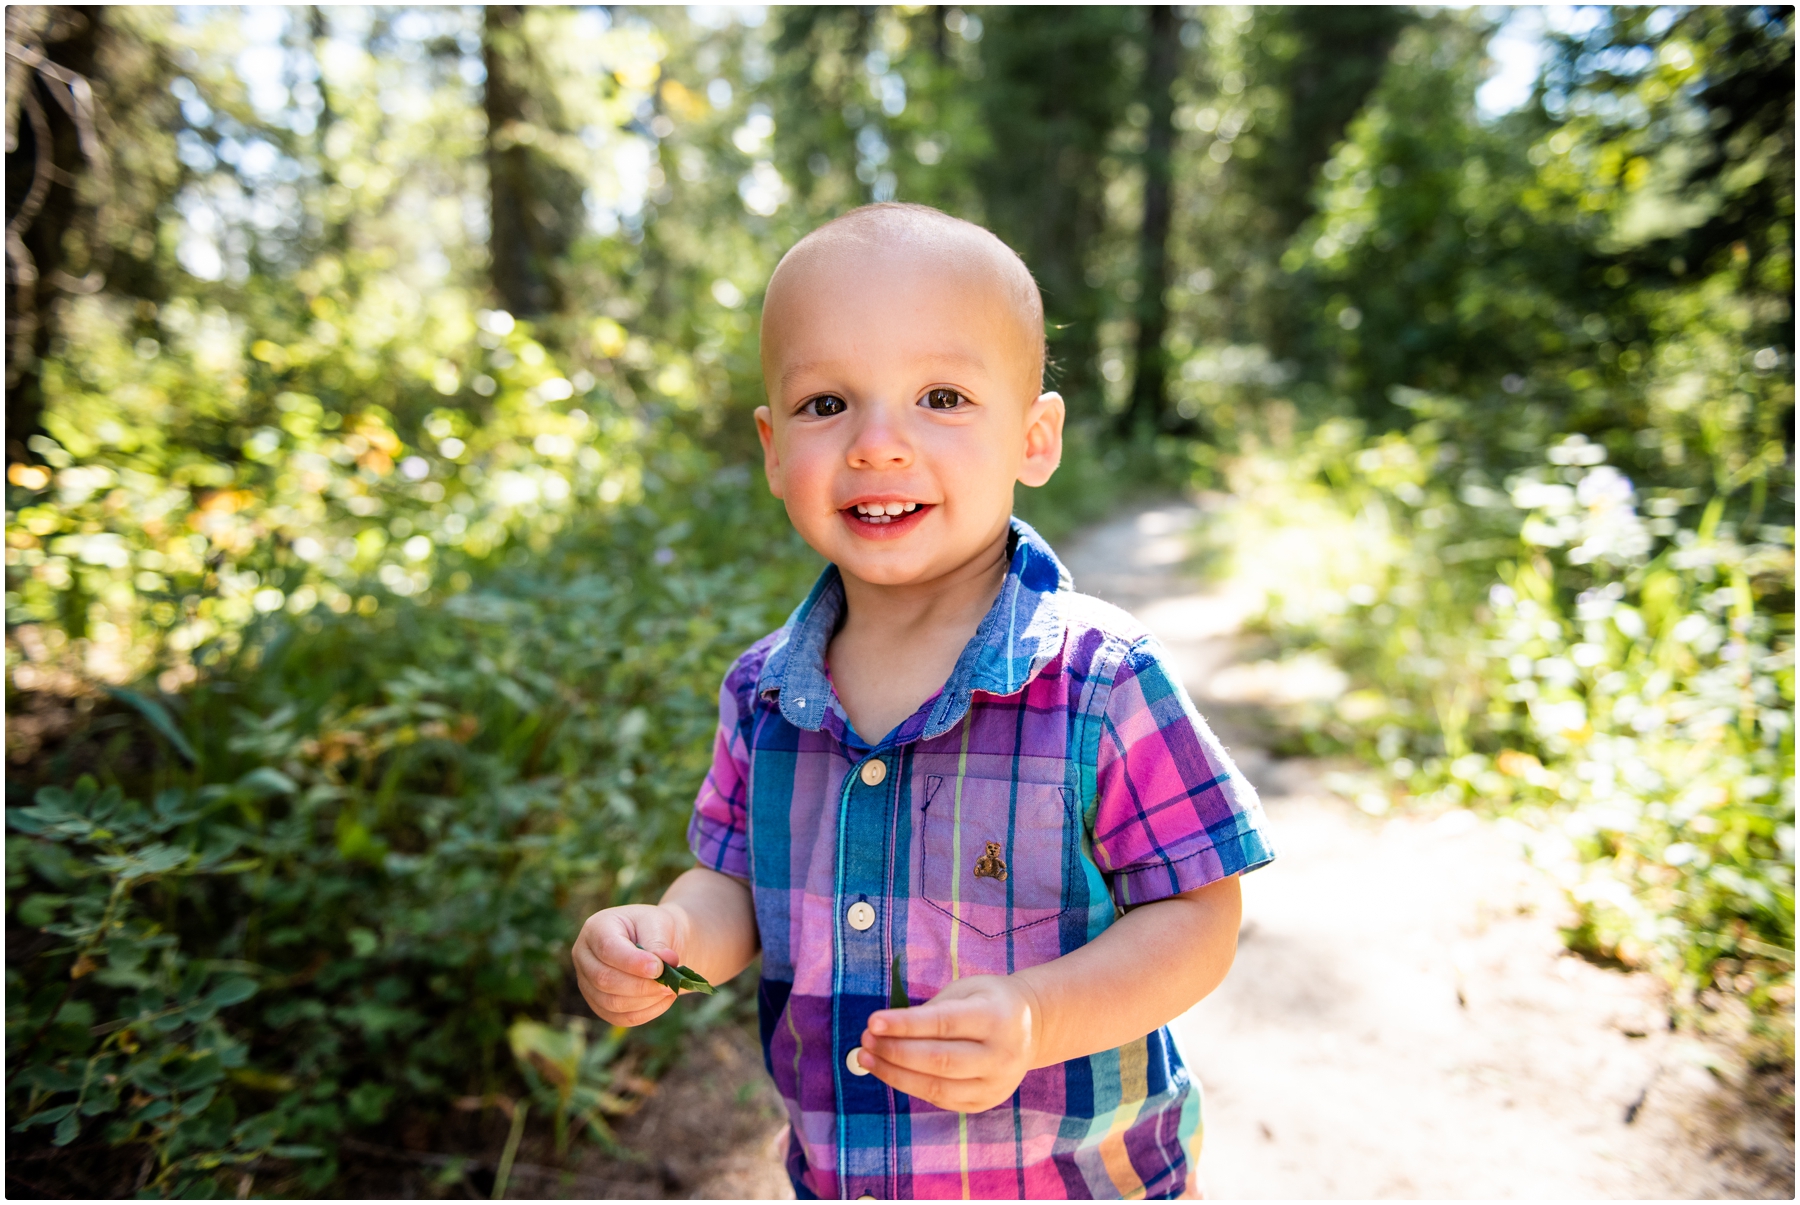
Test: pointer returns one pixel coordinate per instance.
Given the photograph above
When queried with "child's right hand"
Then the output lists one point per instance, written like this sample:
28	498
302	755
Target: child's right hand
620	953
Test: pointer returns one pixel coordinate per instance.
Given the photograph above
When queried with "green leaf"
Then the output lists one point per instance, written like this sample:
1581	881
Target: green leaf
66	1129
159	718
155	1109
39	910
151	860
295	1151
231	991
196	1104
46	1117
265	781
897	988
684	979
199	1073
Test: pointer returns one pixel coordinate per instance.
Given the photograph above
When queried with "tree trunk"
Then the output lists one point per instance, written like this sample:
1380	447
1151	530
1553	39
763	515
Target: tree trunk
52	147
318	29
1146	411
530	217
1050	95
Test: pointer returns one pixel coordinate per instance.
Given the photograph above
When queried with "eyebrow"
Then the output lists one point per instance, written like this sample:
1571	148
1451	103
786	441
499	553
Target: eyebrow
951	358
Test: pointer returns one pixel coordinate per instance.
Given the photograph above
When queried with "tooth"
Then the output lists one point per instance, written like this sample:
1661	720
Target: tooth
911	507
862	508
895	508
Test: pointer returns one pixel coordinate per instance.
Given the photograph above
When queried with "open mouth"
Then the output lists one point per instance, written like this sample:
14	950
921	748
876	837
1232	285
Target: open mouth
884	518
882	512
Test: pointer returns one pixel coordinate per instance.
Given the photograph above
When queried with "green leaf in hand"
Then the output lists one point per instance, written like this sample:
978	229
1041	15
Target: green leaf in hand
897	988
679	979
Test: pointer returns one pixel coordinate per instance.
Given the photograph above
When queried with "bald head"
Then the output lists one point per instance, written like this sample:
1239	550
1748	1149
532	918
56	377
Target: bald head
891	236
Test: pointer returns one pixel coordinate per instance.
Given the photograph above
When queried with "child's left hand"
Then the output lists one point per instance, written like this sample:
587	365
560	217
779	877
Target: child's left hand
964	1050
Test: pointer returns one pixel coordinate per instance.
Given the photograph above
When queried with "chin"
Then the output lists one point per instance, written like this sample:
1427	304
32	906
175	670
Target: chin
884	570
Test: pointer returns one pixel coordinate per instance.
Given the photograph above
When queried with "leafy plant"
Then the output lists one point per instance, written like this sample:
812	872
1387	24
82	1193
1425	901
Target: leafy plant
370	873
1541	650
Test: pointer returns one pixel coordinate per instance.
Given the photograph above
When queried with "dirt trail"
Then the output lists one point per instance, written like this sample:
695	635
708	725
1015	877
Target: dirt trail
1402	1020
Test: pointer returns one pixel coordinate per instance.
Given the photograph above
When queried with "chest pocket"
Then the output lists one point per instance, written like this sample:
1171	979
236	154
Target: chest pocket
996	854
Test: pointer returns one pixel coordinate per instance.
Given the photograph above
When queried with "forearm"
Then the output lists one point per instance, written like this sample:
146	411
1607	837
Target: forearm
719	922
1151	966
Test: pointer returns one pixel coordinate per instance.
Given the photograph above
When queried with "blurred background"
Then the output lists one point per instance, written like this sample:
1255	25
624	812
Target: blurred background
383	508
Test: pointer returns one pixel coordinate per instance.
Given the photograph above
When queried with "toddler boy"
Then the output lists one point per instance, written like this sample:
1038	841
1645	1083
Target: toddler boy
948	777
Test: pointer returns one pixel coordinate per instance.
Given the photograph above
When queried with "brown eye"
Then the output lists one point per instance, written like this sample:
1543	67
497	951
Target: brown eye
944	399
825	405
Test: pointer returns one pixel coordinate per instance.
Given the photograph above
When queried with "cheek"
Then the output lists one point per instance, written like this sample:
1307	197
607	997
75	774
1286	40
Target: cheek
807	464
983	458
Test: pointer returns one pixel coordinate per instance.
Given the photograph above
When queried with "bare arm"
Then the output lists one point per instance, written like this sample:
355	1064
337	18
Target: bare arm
1155	962
970	1045
706	921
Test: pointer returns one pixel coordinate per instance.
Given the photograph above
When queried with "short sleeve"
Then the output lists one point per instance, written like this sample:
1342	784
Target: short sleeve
718	833
1173	812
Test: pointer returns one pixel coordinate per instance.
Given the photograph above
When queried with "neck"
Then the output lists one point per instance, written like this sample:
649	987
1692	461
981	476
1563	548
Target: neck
958	598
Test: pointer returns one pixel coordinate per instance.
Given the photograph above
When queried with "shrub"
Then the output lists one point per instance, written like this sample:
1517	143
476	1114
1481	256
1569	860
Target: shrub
319	887
1625	681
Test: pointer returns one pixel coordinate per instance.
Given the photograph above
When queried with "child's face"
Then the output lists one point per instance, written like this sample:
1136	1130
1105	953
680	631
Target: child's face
903	404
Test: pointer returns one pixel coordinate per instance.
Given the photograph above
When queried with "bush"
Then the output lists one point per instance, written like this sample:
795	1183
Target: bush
319	888
1627	683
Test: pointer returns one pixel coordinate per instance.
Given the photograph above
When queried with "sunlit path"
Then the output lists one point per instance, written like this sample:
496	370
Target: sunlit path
1402	1020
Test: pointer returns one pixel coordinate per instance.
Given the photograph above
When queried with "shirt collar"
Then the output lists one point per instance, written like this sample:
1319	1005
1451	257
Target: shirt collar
1022	633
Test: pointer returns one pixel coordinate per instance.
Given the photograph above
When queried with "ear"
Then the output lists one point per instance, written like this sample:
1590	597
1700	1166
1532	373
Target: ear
1043	439
765	431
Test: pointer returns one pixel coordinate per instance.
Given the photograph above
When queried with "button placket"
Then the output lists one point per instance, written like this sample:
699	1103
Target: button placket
862	971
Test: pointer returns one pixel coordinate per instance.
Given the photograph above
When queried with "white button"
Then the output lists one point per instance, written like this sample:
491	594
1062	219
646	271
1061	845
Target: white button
873	771
866	1197
850	1061
800	702
860	916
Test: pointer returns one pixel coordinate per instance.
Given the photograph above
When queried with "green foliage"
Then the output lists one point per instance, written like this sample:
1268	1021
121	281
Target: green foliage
373	864
1539	650
1554	583
363	635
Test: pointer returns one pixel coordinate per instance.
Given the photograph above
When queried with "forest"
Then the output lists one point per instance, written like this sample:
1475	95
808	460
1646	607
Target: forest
383	505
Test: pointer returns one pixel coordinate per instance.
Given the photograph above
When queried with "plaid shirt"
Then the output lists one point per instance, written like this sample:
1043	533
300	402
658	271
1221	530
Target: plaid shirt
1061	775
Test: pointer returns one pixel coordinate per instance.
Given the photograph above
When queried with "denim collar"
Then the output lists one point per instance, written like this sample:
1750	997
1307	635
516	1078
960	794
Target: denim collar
1022	633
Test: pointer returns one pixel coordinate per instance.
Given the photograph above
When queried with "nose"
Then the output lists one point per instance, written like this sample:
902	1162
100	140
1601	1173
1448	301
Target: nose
881	441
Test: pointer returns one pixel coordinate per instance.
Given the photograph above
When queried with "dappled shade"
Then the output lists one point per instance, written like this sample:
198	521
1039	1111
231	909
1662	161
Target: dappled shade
383	506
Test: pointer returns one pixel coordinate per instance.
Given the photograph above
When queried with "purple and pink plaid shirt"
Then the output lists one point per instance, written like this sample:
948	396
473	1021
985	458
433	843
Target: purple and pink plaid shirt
1060	776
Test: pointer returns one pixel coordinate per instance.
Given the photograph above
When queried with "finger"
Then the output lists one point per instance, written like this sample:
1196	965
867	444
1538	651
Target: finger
957	1060
641	1015
622	983
639	958
608	1003
626	1002
612	1005
610	937
949	1019
653	930
955	1095
596	978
